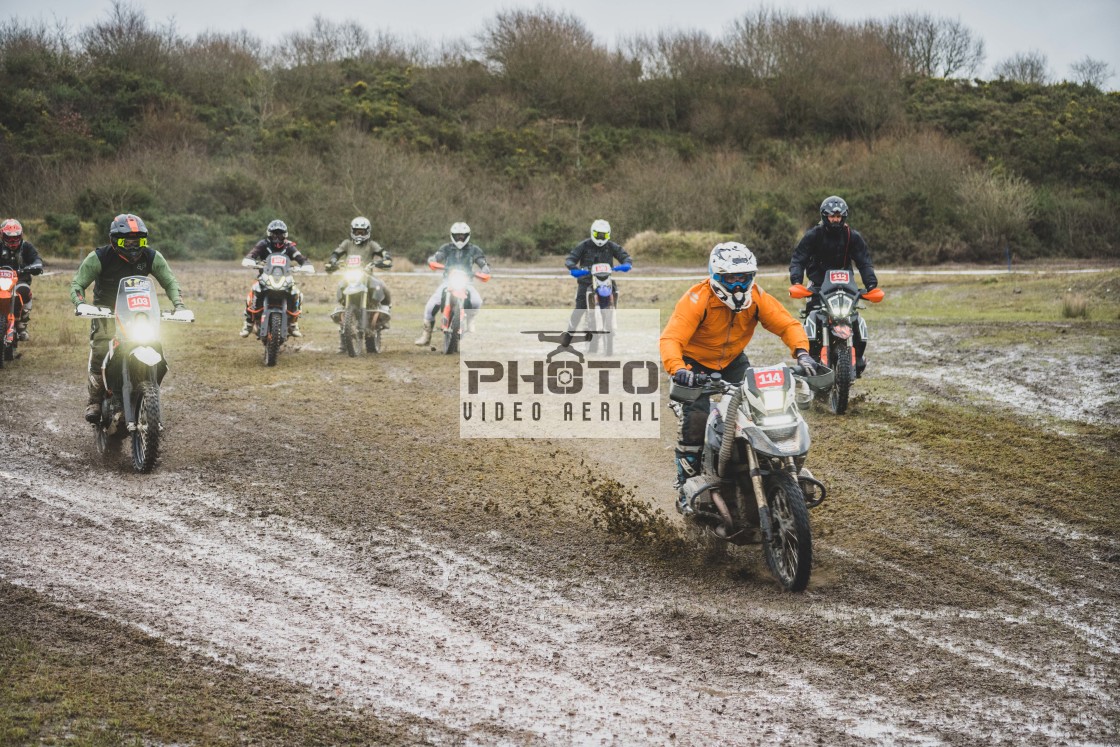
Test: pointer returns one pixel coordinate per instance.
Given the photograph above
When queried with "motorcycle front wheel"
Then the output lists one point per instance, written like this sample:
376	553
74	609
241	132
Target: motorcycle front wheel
451	334
841	362
272	342
350	330
789	553
145	439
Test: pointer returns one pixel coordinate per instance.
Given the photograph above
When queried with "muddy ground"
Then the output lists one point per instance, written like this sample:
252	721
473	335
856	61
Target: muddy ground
319	559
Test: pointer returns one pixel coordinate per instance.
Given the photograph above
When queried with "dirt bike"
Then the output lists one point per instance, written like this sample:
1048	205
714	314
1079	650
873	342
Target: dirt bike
132	371
278	287
752	478
363	316
601	300
11	306
829	327
453	314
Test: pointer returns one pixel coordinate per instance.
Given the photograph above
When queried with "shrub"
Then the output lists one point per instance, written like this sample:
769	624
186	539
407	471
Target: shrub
1075	306
687	248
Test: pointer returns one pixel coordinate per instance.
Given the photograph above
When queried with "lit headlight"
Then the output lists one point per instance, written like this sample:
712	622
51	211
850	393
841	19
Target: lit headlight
6	284
141	329
774	400
776	420
353	276
457	281
840	306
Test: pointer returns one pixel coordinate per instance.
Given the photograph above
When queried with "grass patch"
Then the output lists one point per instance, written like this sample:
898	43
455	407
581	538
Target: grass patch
1075	306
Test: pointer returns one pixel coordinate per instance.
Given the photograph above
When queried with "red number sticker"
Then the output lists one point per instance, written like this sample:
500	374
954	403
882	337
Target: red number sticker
838	276
7	273
353	261
278	259
139	302
772	377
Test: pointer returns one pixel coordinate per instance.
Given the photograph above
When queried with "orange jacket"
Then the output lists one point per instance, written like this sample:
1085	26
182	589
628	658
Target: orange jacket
703	328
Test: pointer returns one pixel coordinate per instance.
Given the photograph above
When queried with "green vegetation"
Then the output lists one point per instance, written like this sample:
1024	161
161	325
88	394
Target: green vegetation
537	128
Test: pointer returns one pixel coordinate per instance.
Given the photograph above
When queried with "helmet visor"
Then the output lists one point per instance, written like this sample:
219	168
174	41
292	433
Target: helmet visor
600	235
460	237
363	232
736	282
13	242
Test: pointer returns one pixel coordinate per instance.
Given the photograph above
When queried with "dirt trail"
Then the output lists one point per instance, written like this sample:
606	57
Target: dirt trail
411	576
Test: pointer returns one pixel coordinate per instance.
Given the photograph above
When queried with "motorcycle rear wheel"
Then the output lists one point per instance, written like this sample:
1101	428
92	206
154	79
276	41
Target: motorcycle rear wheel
841	361
790	553
145	439
350	331
272	342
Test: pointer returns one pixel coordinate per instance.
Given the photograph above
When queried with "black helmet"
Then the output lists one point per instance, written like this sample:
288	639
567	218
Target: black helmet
834	206
129	236
277	233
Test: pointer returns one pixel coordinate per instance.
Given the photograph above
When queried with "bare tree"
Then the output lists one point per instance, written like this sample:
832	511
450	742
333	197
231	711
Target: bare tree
933	47
1024	67
1090	72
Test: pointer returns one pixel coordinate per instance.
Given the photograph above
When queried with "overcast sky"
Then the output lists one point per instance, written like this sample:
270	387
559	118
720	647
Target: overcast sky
1066	31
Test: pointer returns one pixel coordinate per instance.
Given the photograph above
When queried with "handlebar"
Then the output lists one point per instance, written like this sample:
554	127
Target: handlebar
797	290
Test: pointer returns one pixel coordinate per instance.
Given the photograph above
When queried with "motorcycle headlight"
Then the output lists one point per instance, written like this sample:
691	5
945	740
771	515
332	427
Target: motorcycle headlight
6	284
353	276
457	281
840	306
774	400
141	329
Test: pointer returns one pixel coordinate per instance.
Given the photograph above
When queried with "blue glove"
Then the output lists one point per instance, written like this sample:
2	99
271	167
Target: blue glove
684	377
578	272
623	268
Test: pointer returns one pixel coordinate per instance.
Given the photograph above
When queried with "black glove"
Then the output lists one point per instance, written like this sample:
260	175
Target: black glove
808	365
685	377
870	286
37	270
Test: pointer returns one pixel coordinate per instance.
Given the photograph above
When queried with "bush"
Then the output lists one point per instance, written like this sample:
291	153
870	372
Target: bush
687	248
190	237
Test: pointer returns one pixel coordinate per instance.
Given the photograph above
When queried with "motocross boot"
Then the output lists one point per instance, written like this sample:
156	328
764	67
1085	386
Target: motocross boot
425	334
96	390
688	465
386	311
247	328
293	330
341	342
21	325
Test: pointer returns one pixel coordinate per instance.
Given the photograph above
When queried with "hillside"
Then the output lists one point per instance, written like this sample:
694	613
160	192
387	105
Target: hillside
535	128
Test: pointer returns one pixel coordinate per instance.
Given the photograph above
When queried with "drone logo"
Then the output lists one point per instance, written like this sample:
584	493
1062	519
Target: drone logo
564	340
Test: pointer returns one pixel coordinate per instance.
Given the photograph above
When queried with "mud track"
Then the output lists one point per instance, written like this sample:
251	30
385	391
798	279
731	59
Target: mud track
320	526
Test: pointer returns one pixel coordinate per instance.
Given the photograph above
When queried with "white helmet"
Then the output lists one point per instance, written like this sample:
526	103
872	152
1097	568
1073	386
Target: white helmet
600	232
360	230
460	234
732	268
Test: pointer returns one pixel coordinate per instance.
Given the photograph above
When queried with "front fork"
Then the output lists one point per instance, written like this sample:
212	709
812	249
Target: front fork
759	493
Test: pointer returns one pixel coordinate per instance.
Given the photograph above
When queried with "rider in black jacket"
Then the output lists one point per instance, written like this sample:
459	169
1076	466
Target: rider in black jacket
832	244
19	254
276	242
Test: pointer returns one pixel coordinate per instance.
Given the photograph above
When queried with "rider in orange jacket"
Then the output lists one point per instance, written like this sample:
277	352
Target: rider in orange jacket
708	333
